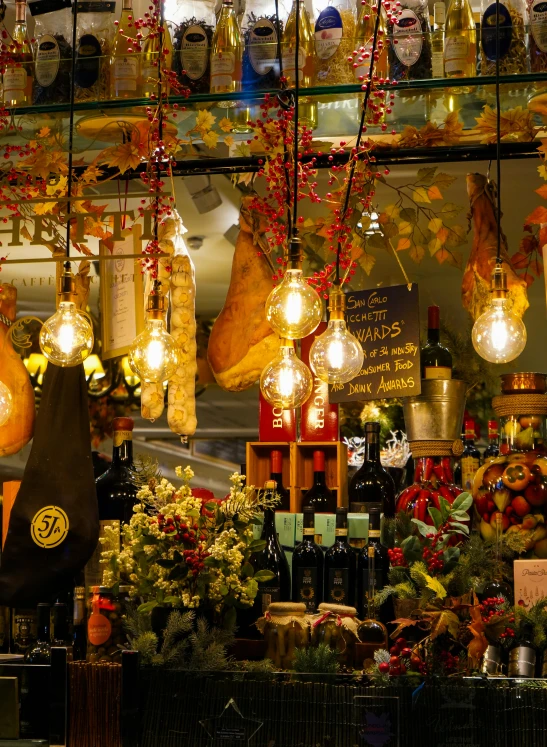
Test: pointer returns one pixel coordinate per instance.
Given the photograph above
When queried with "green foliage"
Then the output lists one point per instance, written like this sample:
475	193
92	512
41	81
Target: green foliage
536	616
320	660
476	567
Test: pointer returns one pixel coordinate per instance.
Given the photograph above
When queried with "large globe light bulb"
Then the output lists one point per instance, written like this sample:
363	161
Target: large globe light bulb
6	403
336	356
499	335
154	355
66	338
293	308
286	382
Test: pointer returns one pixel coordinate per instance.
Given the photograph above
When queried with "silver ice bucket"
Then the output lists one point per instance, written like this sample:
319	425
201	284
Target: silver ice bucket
437	413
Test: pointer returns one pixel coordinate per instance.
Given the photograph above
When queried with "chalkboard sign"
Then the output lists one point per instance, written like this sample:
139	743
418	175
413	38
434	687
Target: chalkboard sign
386	321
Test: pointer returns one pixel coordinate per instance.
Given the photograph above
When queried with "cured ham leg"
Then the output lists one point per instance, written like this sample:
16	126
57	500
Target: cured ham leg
242	342
482	260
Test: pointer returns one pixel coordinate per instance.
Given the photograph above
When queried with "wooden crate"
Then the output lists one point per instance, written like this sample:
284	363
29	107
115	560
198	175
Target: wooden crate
336	470
258	462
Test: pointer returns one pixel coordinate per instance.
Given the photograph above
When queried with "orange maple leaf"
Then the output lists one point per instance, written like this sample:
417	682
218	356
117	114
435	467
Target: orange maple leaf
539	215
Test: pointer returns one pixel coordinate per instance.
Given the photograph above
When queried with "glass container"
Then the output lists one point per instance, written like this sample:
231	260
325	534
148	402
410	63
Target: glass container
336	626
285	627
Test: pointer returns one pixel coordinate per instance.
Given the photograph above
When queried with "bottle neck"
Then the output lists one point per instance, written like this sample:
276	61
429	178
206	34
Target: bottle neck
269	521
433	335
372	450
122	453
20	13
309	526
319	479
127	5
79	612
374	524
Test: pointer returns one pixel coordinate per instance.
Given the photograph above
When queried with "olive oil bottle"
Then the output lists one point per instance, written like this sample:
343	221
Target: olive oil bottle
306	56
226	52
18	75
125	73
152	61
460	47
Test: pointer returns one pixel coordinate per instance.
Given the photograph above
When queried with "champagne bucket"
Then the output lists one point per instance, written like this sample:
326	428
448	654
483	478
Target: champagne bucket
437	413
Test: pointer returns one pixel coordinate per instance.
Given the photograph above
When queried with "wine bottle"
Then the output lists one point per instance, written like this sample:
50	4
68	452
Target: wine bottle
340	565
522	655
372	484
460	49
60	636
438	40
371	631
493	448
79	632
307	567
156	65
319	497
364	35
116	493
436	359
470	458
261	51
124	76
271	558
381	561
307	109
18	75
226	52
276	474
40	653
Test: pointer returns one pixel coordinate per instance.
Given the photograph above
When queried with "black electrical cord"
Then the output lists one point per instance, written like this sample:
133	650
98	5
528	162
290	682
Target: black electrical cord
498	132
71	130
359	135
295	118
160	118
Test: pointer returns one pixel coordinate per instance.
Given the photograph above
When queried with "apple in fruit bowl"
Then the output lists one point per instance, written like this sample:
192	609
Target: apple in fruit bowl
536	494
529	522
504	521
520	506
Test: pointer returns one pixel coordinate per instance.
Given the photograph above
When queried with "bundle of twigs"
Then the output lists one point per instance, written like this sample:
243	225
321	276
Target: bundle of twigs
94	704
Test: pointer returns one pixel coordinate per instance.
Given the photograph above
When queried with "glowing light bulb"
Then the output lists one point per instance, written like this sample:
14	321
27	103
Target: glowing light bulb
6	403
293	308
286	382
66	338
154	355
499	335
336	356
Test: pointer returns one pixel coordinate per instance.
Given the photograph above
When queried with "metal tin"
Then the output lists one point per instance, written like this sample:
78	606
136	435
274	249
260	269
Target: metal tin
491	661
437	413
524	383
522	662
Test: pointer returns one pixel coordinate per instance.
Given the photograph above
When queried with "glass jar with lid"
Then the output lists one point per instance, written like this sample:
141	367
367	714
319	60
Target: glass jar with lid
336	626
510	491
285	627
105	623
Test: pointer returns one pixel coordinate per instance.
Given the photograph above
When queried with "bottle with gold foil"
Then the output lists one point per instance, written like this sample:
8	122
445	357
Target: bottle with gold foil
306	57
364	36
470	459
460	47
155	64
226	52
125	62
18	76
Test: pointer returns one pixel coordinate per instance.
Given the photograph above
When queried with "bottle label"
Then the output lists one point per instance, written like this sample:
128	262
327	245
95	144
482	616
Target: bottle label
341	532
306	583
99	629
374	532
269	594
15	84
309	532
458	55
119	437
262	46
470	466
223	65
328	33
438	372
437	66
538	24
288	63
408	33
126	73
88	61
338	590
488	31
48	58
194	53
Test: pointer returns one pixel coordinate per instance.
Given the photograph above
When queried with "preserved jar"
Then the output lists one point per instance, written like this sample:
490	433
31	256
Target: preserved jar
285	627
510	490
433	480
336	626
105	623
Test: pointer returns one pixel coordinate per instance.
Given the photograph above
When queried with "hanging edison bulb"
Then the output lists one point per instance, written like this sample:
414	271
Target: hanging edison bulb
286	382
336	356
66	338
293	308
6	403
154	354
499	335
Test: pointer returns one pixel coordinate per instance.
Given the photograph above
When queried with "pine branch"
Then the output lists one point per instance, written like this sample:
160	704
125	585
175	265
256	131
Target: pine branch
320	660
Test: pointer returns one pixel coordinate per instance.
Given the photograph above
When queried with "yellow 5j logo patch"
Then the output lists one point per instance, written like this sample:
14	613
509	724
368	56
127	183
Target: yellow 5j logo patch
49	527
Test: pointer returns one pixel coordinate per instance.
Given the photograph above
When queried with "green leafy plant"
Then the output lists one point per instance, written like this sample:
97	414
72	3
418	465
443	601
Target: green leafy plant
316	660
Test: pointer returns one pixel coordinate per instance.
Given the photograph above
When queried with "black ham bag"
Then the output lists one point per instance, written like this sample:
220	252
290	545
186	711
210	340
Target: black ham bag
54	523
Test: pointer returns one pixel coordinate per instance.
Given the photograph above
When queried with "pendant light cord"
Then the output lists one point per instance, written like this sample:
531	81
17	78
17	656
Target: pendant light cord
161	36
359	135
71	130
295	118
498	132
